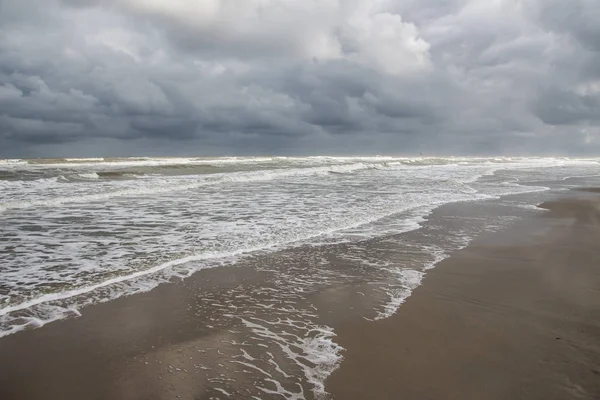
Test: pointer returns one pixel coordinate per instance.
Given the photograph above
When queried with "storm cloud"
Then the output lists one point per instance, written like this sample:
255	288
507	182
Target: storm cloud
208	77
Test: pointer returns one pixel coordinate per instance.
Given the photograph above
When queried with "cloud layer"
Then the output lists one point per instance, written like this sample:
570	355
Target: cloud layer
121	77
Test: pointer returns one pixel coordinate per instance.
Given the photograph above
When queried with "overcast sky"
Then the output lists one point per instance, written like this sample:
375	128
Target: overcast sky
209	77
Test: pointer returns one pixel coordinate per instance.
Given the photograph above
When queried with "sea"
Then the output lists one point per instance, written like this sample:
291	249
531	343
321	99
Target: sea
75	232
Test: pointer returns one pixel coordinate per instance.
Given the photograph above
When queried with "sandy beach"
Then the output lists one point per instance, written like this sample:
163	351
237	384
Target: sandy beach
299	200
513	316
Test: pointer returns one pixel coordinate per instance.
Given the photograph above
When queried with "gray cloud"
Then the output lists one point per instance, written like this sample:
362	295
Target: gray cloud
118	77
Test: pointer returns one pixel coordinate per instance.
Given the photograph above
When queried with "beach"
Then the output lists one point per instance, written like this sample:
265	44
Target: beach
299	279
513	316
299	200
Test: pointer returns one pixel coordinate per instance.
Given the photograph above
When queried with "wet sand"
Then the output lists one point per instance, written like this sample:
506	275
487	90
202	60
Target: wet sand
515	315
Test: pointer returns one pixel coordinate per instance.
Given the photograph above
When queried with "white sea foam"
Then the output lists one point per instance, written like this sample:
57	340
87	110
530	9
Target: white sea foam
92	159
318	357
11	162
580	176
222	391
439	254
91	175
531	207
408	281
73	163
162	185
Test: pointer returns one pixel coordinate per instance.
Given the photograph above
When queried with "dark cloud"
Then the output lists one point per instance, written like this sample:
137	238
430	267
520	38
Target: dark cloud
569	108
579	19
118	77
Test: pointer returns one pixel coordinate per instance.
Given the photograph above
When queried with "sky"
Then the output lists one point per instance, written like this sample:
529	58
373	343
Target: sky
299	77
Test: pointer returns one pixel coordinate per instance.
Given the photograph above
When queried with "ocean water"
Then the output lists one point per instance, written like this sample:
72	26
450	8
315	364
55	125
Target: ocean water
75	232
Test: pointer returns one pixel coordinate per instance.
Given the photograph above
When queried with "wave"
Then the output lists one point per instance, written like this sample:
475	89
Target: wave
91	175
156	183
162	186
7	175
136	161
188	166
113	174
12	162
93	159
40	183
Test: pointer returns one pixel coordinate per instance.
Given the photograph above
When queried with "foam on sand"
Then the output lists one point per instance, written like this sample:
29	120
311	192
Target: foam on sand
318	354
408	281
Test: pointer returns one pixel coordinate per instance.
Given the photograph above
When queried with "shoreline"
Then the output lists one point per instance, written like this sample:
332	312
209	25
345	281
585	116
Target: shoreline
514	315
179	340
